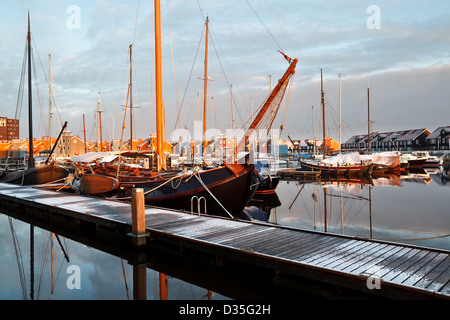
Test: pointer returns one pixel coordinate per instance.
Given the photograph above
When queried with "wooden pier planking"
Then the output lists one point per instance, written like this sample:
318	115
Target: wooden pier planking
345	260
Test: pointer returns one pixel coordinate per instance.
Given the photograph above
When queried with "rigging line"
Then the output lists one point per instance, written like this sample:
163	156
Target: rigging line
54	100
19	98
125	279
173	59
224	74
135	23
43	128
18	259
45	246
96	271
110	45
227	64
416	239
283	120
264	26
190	76
48	81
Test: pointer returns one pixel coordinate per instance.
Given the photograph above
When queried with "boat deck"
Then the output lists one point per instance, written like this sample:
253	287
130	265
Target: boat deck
384	269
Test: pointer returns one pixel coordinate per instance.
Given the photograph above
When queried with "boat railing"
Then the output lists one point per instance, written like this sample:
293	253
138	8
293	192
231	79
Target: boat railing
199	201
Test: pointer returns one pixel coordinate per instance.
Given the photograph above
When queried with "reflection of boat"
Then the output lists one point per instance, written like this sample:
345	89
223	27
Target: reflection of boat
261	205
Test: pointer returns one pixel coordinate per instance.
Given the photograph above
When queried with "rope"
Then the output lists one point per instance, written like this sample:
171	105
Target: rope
206	188
417	239
181	176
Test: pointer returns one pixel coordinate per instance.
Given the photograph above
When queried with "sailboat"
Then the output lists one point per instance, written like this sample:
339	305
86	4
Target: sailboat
222	191
334	166
33	175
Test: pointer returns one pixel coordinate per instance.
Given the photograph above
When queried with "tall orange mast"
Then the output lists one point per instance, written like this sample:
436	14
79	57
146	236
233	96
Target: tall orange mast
159	103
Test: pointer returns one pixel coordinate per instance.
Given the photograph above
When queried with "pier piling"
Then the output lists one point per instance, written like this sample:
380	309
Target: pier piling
138	230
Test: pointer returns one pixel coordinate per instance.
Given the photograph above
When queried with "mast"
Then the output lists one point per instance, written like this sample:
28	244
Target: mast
340	126
368	120
233	123
131	97
99	111
205	89
84	132
30	104
256	121
322	101
158	79
314	134
50	96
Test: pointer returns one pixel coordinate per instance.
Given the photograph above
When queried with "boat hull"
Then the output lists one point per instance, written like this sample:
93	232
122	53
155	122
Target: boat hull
228	190
44	174
416	163
338	170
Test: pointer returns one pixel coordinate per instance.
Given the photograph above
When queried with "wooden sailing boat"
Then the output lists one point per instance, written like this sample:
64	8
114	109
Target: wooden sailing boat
33	175
225	190
331	167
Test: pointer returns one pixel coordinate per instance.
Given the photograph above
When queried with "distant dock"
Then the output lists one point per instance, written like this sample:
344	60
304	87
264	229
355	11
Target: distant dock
293	173
310	262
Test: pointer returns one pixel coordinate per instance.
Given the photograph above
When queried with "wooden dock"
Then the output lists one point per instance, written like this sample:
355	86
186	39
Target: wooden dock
293	173
317	263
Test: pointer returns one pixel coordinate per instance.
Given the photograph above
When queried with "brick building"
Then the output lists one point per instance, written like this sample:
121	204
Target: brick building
9	129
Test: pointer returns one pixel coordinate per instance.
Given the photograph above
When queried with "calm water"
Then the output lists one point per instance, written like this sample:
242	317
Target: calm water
411	210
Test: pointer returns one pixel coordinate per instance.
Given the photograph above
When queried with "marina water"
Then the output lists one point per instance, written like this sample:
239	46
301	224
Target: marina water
411	209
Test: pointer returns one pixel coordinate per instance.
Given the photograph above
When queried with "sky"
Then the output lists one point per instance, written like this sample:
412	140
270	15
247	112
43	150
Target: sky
398	49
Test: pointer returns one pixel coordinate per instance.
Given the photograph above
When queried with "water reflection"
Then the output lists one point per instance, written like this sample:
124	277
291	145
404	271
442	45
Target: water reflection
35	263
40	265
408	208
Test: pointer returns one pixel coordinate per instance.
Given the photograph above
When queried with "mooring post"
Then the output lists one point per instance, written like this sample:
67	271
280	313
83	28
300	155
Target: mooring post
138	231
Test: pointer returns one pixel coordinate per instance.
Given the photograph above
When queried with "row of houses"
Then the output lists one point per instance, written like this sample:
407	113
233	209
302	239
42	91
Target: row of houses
403	140
70	145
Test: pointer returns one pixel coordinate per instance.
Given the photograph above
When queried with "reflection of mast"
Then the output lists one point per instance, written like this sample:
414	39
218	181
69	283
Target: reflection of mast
52	263
342	215
368	120
370	210
31	262
314	197
163	292
325	207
